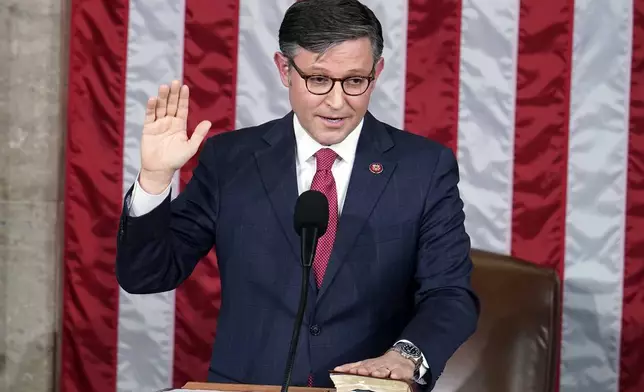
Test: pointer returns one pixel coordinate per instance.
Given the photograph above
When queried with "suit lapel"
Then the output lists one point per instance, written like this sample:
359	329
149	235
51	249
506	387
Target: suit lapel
276	165
365	188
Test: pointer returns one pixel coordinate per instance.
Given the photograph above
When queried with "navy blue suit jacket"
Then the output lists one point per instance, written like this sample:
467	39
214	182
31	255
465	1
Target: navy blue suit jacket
400	267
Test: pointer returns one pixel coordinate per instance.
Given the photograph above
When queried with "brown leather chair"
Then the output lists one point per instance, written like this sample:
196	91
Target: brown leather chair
516	345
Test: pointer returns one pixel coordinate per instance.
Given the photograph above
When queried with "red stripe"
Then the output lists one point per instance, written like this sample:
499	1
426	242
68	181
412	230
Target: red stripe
93	193
541	135
432	79
632	352
544	67
210	70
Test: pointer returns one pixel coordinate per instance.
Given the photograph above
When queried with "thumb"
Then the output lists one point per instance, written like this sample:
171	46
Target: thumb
396	374
199	134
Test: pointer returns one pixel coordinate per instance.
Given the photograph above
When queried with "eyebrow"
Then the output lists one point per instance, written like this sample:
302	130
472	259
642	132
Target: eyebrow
315	68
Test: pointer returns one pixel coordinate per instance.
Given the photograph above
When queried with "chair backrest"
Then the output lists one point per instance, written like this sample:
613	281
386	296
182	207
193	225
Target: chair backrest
516	345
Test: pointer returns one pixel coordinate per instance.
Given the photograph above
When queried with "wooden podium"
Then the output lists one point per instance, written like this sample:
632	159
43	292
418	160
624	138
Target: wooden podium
207	386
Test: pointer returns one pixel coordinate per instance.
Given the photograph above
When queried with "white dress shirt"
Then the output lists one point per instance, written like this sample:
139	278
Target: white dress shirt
305	166
143	202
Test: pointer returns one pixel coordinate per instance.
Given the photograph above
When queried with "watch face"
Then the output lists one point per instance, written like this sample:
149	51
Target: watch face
411	350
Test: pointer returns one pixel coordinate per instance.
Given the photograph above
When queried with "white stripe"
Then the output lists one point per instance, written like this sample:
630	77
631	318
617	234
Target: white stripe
489	35
595	210
146	323
388	98
260	96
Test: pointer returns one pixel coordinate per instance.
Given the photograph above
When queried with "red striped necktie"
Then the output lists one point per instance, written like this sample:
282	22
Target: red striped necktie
324	182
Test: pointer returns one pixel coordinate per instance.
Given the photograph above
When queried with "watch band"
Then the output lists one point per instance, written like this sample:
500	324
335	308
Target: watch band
413	353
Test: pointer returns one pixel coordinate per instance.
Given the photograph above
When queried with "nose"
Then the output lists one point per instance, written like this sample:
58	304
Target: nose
335	97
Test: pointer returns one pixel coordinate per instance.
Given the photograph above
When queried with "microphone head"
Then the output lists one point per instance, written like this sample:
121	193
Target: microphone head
312	211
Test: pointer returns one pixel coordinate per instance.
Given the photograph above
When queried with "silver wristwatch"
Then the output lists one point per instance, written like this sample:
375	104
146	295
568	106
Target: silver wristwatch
410	351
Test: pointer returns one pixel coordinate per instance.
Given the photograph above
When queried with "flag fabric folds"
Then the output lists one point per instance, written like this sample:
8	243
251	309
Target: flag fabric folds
542	101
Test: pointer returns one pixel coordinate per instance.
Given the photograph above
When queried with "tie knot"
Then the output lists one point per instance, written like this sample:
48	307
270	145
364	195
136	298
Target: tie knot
325	158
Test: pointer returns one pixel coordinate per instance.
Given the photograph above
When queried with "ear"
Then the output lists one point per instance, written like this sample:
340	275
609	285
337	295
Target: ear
379	66
281	62
378	69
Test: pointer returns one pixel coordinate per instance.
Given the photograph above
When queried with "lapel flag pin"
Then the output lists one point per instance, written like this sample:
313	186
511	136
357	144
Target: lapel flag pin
375	168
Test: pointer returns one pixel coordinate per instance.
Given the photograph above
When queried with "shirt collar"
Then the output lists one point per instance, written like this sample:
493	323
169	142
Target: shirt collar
307	146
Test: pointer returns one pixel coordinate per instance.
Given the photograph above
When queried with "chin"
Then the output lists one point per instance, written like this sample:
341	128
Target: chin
330	136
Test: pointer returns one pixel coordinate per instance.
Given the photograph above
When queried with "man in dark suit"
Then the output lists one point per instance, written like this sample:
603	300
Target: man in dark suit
390	289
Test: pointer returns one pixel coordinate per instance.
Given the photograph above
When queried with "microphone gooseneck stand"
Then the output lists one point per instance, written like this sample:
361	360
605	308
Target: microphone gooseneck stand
308	252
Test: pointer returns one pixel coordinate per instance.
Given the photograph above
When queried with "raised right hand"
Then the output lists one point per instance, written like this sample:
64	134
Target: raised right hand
165	146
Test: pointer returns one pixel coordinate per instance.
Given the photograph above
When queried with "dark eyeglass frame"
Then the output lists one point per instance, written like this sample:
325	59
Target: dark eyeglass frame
306	78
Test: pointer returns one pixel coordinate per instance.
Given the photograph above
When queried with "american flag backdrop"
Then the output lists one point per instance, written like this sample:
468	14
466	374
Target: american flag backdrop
542	101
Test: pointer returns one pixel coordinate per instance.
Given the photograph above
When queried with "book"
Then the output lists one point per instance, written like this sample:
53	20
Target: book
348	382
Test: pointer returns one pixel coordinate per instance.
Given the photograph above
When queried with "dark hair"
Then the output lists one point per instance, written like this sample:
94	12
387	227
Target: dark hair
317	25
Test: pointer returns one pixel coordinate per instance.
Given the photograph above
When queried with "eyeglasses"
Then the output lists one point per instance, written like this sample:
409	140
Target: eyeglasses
320	84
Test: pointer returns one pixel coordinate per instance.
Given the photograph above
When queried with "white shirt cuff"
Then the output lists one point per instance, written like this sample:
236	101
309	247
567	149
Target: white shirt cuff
142	202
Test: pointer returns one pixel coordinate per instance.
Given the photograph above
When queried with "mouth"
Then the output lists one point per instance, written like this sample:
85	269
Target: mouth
334	121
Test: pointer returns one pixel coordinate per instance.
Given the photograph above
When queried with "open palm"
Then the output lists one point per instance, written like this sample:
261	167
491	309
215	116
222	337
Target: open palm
165	146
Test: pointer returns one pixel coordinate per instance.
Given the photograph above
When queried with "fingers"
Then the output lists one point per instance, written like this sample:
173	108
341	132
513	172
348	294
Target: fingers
170	101
162	101
184	98
375	368
365	368
199	134
347	367
398	374
149	111
381	372
173	98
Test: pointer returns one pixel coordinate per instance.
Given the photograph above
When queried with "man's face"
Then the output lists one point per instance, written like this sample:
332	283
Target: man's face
330	117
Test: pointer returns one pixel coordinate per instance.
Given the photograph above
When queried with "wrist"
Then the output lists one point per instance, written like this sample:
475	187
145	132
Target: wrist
411	353
154	182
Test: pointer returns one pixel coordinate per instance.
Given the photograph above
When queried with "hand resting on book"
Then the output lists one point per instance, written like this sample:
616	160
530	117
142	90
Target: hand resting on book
389	365
347	382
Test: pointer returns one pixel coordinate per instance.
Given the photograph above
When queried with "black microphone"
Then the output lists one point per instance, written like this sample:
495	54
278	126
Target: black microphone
310	221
